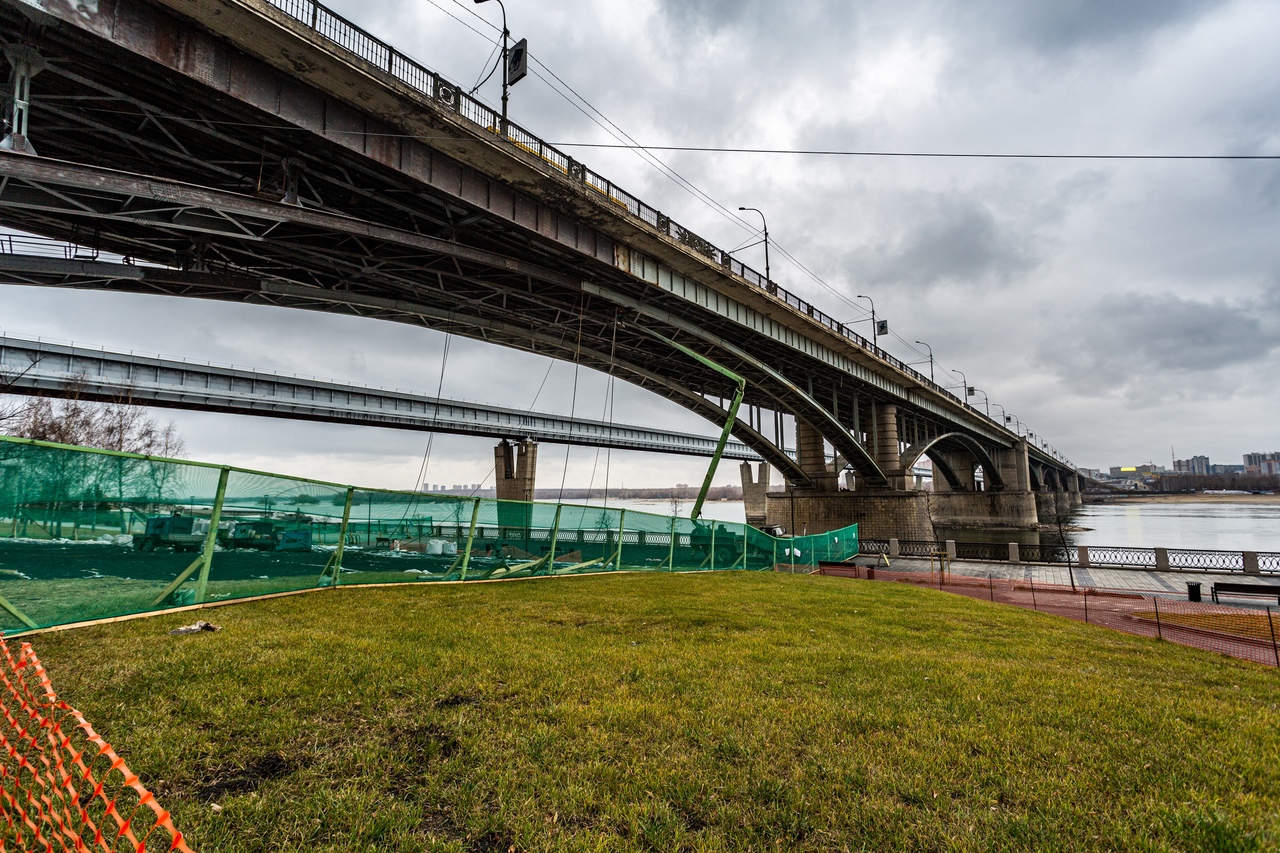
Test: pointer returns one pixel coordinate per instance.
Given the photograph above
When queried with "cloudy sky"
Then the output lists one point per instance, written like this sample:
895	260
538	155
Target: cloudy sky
1121	308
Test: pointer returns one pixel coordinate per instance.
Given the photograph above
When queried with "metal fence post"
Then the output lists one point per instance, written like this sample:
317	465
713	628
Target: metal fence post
712	555
555	538
991	585
1275	650
206	559
342	536
671	553
1159	630
1086	607
1034	606
471	535
622	526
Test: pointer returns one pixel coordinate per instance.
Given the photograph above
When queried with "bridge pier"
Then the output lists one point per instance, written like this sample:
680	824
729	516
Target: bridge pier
1074	495
515	467
754	491
879	514
1049	503
1001	510
811	455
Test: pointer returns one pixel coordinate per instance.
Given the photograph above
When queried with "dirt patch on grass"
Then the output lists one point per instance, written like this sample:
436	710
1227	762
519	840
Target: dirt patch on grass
231	781
457	700
425	743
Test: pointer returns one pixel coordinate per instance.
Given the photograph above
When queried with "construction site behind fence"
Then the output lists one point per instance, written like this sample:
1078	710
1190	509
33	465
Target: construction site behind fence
90	534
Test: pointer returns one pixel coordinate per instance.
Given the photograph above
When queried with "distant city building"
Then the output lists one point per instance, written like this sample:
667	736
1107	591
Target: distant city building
1262	463
1136	472
1091	473
1226	469
1195	465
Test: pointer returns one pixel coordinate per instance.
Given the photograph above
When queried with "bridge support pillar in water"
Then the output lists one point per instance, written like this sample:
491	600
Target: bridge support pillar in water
999	510
514	468
1074	495
754	489
879	513
1050	502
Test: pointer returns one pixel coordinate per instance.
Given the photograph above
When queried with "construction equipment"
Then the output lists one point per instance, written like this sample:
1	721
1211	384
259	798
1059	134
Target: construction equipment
177	531
266	536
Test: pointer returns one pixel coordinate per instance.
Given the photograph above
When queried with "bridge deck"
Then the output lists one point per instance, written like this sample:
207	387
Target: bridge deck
43	367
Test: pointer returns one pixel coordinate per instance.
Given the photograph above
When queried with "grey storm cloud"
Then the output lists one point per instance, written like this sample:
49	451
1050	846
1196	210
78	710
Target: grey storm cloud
1057	286
950	240
1165	344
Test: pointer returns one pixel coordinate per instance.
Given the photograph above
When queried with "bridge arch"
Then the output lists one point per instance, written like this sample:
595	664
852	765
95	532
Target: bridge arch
990	471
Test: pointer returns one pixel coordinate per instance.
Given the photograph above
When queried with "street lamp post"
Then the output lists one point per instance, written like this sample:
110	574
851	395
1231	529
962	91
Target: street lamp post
1003	417
875	338
923	344
965	386
985	400
767	279
506	36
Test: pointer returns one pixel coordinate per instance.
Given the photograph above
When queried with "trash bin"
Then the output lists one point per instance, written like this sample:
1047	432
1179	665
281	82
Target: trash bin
1193	591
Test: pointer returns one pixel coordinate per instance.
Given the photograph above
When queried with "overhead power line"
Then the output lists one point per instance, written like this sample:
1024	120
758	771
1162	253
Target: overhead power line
716	149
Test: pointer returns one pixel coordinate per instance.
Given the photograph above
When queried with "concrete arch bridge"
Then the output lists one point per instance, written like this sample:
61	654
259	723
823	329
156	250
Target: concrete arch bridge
275	153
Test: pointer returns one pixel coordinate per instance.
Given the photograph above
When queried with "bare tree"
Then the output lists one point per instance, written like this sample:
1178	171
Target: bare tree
118	424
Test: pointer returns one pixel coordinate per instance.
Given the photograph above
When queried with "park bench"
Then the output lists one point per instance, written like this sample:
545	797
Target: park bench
1251	589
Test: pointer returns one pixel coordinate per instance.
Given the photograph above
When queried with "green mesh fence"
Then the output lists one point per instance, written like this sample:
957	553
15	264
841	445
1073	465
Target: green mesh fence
88	534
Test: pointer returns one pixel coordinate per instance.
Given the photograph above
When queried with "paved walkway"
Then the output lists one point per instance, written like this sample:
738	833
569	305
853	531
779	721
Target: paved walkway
1145	580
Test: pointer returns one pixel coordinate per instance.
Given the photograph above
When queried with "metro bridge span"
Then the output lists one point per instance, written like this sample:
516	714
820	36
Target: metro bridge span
274	153
45	368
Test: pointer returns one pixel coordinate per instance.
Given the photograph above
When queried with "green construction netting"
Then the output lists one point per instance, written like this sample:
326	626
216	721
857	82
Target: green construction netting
88	534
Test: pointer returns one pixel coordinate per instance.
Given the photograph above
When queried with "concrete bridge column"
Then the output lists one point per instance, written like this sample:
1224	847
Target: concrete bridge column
1046	505
961	463
754	490
515	467
887	450
1015	468
1074	496
811	456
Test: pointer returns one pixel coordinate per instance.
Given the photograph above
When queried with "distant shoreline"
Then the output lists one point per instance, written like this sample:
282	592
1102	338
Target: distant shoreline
1187	498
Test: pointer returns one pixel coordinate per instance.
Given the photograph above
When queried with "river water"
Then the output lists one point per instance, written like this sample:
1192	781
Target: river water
1208	525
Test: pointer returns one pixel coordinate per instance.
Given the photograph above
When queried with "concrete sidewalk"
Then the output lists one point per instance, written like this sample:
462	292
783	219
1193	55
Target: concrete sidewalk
1144	580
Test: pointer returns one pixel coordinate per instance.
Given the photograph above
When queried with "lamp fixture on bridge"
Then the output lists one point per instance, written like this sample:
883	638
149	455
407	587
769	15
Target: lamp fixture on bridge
875	327
767	279
986	401
515	63
923	344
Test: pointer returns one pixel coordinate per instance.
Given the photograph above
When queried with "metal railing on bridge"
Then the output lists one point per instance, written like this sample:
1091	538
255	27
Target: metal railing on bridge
331	26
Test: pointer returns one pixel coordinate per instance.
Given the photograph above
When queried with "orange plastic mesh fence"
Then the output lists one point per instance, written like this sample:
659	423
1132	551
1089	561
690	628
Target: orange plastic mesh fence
62	787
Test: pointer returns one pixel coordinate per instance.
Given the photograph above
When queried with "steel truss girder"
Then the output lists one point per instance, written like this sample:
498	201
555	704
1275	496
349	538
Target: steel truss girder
162	202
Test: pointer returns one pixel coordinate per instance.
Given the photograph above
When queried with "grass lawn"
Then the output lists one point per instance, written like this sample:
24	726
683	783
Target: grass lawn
734	711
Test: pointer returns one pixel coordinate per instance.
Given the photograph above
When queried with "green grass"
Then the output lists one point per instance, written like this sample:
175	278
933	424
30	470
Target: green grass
659	712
